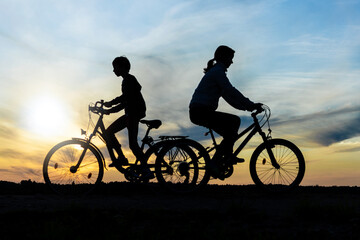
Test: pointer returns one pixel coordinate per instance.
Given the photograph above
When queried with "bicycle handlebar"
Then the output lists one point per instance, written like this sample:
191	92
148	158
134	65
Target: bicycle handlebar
267	113
98	107
258	111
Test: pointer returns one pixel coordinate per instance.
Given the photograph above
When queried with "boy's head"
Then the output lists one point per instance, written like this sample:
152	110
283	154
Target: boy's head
121	66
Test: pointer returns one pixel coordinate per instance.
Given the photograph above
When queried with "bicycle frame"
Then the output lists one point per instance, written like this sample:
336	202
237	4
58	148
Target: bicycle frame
102	135
87	142
252	129
100	131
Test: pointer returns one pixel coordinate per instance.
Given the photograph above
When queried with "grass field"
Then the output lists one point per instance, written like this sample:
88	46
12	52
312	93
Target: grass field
127	211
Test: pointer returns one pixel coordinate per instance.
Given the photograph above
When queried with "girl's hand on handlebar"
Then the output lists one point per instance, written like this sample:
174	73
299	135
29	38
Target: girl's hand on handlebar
258	107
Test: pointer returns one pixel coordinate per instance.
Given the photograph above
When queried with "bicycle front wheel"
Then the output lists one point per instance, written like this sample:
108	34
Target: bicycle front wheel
291	162
62	175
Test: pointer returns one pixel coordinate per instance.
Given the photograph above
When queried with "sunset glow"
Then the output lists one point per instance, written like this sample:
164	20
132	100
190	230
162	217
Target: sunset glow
46	116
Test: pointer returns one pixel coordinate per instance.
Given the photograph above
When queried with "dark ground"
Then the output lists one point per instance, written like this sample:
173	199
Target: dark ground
127	211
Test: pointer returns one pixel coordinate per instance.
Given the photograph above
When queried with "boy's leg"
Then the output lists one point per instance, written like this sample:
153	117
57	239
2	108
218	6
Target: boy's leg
133	129
115	127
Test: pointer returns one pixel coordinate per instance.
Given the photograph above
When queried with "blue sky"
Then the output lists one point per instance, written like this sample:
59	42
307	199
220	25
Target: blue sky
301	58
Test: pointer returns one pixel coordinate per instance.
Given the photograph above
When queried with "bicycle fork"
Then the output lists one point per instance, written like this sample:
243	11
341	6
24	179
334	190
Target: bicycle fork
269	148
74	169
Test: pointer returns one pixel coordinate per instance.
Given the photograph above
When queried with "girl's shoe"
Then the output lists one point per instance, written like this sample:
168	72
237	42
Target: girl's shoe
147	174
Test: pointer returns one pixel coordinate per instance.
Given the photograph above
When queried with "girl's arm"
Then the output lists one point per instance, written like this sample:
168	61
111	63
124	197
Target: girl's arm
233	96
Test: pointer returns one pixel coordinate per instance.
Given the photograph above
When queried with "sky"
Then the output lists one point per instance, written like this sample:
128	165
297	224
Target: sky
300	58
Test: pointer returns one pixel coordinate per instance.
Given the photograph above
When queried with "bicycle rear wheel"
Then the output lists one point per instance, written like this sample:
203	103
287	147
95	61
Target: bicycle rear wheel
290	159
176	167
202	157
61	175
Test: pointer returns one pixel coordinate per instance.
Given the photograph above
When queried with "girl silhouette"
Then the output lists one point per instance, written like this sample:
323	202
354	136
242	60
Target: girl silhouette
205	100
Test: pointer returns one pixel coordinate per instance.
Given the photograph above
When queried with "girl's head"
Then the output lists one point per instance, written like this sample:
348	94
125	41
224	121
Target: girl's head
223	54
121	66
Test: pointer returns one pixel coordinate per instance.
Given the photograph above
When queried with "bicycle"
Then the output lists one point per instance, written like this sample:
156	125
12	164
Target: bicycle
77	165
275	165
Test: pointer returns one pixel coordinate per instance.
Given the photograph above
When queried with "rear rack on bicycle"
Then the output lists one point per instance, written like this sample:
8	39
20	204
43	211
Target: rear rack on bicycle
172	137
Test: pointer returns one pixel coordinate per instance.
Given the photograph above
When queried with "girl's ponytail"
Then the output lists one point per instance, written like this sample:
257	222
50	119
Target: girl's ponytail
210	64
222	53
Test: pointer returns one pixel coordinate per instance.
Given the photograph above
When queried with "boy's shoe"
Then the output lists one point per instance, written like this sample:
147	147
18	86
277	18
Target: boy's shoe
147	174
119	162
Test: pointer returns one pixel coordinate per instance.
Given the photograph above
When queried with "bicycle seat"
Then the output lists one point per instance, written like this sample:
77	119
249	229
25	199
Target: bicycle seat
152	123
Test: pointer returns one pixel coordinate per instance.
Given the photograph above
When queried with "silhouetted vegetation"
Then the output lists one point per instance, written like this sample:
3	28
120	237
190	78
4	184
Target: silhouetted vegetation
137	211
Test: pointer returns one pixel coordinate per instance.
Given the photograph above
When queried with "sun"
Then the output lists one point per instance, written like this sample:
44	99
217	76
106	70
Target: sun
46	116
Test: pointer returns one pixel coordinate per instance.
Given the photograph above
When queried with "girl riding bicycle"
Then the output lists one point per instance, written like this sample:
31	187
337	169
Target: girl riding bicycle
205	99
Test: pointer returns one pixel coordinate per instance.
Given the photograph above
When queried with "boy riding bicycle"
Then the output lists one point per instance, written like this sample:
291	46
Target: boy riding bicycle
133	103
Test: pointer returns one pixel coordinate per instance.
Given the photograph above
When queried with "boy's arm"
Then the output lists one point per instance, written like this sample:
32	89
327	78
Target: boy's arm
118	101
115	101
115	109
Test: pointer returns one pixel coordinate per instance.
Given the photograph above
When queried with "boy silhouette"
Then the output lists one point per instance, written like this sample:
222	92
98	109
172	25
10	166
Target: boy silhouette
133	103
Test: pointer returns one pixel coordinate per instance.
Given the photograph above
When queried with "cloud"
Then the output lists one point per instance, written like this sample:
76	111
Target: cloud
8	132
325	127
317	115
338	132
11	154
353	149
22	173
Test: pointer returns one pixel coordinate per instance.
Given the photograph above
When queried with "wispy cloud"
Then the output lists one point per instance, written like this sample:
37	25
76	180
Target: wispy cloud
22	173
326	127
353	149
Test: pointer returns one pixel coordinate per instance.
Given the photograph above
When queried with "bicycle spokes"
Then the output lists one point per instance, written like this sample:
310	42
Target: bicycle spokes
177	168
290	169
284	172
62	166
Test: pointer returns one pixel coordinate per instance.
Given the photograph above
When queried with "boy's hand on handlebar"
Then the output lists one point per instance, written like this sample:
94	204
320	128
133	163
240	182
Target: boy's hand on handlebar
106	111
107	104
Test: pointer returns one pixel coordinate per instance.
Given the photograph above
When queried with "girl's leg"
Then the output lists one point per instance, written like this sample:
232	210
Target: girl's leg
225	124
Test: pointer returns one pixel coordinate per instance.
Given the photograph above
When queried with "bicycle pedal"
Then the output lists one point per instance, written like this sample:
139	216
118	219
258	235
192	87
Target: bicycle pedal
112	164
238	160
235	160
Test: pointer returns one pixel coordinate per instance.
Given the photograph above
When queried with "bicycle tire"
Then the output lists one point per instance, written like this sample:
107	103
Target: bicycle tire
202	157
59	160
136	169
290	159
176	167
